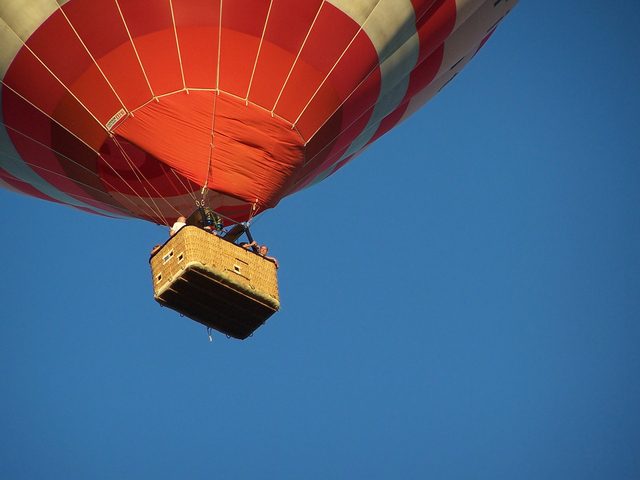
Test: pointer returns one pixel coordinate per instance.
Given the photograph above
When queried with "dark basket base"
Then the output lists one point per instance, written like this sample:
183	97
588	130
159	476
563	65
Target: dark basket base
197	294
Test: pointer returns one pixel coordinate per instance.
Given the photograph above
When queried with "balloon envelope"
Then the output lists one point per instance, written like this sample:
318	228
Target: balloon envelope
130	108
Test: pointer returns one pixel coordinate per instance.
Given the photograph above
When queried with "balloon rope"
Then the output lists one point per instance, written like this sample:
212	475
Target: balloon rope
353	38
254	207
375	68
120	208
26	47
175	34
97	65
255	63
209	171
204	193
136	170
286	80
98	154
135	50
153	213
330	142
187	189
59	154
107	207
77	100
219	47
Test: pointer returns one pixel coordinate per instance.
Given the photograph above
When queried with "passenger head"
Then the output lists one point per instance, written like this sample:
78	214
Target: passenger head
263	250
182	219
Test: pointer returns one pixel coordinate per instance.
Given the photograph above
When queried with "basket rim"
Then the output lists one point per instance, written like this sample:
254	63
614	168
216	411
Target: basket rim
193	227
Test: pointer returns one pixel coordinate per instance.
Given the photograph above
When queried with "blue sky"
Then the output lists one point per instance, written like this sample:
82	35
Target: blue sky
460	302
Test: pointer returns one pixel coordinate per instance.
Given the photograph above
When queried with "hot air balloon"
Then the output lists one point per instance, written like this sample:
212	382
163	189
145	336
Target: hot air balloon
151	109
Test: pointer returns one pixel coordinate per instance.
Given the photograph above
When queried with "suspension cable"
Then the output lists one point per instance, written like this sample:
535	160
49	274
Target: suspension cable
137	171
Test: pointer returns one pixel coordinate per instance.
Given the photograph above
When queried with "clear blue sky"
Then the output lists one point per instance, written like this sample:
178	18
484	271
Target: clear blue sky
460	302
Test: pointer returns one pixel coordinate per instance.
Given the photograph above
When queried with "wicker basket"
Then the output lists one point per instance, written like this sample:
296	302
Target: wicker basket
215	282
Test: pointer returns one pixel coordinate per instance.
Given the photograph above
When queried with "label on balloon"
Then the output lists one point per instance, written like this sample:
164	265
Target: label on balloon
113	120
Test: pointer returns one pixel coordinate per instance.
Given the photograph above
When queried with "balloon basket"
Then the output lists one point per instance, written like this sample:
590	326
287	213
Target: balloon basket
215	282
